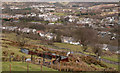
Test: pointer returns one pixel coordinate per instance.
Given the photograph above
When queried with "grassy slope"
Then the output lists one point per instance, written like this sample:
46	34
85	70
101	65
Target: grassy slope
68	46
79	48
111	65
111	58
19	66
60	45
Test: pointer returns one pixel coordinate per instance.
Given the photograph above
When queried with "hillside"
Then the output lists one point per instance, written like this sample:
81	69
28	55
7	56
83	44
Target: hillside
90	63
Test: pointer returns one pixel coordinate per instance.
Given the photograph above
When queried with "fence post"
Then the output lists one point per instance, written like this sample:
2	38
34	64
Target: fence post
10	68
60	65
10	58
27	67
41	65
51	63
67	67
23	58
31	57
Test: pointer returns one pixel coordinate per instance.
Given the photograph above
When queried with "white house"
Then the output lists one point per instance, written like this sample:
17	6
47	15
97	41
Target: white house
71	20
52	18
26	30
49	9
75	43
2	8
118	52
69	40
51	23
13	7
41	33
105	47
42	15
49	36
3	27
34	30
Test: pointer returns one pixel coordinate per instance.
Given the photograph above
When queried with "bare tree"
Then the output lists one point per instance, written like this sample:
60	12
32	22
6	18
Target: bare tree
58	33
97	50
86	36
21	40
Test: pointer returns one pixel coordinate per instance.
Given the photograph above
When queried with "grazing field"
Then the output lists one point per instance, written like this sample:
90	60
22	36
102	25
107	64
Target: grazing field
112	66
69	46
111	58
20	66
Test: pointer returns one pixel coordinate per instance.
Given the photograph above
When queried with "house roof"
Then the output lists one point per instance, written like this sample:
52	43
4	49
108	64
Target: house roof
39	31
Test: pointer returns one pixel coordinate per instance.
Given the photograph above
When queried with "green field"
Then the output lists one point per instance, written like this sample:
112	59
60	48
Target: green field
69	46
20	66
111	65
111	58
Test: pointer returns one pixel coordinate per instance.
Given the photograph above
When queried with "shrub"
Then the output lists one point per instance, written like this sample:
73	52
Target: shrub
5	53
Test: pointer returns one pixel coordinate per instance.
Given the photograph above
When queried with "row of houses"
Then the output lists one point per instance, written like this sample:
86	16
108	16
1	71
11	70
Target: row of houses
47	35
42	34
55	24
14	7
110	48
69	40
107	33
64	39
11	16
42	6
85	21
46	17
51	18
